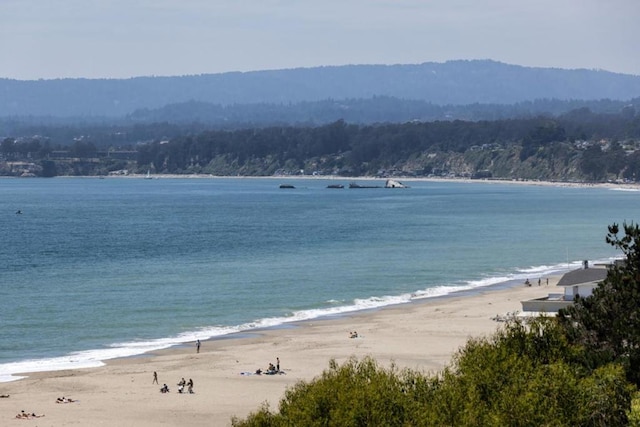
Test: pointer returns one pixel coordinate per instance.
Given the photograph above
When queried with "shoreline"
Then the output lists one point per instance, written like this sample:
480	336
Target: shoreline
507	181
93	362
421	335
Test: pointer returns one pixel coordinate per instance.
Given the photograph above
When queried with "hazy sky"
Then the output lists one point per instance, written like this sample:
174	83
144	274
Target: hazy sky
125	38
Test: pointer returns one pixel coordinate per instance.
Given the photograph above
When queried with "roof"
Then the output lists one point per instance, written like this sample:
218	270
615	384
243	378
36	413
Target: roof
583	276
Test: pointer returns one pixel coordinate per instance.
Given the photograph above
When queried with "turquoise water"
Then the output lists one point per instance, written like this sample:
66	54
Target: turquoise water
95	269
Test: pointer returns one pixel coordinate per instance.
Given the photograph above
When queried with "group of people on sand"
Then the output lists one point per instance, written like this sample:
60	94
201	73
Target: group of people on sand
353	334
271	369
182	383
27	416
22	415
528	283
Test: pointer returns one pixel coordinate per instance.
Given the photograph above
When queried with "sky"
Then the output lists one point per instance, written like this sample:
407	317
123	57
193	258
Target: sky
47	39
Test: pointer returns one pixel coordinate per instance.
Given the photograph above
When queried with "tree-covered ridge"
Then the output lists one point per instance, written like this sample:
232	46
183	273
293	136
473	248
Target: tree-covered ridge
378	109
578	146
449	83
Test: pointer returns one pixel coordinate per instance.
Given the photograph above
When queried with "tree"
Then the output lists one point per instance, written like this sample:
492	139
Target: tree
607	323
7	147
48	168
594	163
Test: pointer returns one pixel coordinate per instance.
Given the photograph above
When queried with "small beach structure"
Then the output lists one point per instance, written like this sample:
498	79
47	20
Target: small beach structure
581	282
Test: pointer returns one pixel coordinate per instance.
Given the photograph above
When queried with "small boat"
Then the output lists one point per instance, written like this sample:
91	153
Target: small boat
286	186
335	186
356	185
148	175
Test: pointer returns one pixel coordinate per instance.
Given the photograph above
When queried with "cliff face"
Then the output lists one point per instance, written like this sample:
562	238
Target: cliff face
503	164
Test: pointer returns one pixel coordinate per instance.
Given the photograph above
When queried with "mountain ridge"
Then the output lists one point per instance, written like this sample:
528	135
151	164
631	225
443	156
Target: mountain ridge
456	82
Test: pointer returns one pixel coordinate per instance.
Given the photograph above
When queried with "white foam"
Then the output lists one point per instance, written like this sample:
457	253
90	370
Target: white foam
95	358
633	190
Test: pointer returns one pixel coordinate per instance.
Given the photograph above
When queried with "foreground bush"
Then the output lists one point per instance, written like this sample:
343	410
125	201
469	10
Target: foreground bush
524	375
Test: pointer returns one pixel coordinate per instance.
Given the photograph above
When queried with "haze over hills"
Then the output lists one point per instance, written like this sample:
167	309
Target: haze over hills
449	83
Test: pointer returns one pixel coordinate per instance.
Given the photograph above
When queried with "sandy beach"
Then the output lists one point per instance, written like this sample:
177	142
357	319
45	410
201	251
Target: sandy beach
421	336
404	179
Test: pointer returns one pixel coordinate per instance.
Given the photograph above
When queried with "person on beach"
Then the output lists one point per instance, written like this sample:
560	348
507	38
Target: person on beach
190	385
277	364
197	346
155	378
164	389
25	416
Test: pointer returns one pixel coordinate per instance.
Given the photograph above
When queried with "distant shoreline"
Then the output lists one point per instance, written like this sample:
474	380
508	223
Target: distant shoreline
629	186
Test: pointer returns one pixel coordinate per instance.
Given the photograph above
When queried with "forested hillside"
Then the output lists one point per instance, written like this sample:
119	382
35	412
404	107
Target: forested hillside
578	146
379	109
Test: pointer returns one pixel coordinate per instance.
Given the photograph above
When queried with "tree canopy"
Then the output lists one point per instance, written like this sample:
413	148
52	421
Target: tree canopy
607	323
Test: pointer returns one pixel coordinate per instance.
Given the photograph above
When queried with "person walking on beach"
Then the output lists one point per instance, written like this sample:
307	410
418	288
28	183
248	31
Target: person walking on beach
277	364
197	346
155	378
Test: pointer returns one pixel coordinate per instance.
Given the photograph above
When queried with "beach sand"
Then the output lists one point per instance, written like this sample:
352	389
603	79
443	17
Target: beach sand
422	336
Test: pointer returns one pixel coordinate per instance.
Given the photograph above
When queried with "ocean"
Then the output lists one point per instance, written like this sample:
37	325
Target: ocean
94	269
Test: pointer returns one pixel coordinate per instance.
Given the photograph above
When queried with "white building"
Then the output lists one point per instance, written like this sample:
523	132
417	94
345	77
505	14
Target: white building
577	282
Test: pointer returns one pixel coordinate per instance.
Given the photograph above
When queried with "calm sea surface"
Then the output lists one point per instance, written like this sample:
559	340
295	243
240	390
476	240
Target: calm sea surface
99	268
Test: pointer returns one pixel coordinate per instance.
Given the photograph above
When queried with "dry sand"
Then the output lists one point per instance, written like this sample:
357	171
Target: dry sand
421	336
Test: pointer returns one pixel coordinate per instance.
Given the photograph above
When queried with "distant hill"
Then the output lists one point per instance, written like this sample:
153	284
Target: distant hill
449	83
379	109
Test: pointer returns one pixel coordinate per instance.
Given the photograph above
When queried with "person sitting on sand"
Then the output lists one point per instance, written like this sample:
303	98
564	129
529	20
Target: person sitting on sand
258	371
25	416
164	389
